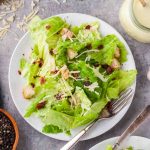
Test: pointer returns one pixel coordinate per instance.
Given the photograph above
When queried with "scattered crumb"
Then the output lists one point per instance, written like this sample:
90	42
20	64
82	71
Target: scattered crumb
4	22
7	15
32	5
11	19
22	25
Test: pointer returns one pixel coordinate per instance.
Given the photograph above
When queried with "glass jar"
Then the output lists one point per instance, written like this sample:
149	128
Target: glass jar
134	16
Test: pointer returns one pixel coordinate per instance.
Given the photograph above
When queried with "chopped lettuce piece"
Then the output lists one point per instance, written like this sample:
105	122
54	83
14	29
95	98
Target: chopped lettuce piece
92	95
85	71
108	45
51	129
23	63
64	107
61	57
47	28
129	148
43	32
61	120
89	33
28	70
82	98
109	147
32	106
90	115
119	81
82	120
97	107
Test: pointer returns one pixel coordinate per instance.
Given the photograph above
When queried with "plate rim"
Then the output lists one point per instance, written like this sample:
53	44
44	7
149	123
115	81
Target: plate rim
116	137
15	49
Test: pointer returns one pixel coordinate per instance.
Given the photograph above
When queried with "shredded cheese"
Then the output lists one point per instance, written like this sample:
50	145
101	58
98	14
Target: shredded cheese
74	71
88	51
72	77
73	98
11	19
22	25
98	74
7	15
92	86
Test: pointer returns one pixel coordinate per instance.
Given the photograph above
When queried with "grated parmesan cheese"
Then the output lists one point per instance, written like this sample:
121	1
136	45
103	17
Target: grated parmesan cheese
98	74
92	86
32	5
22	25
8	8
11	19
88	51
8	16
4	22
73	98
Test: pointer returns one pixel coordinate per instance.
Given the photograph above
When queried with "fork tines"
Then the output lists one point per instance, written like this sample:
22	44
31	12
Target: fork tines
122	101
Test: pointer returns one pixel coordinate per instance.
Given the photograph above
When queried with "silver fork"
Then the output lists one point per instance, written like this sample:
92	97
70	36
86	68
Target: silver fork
114	108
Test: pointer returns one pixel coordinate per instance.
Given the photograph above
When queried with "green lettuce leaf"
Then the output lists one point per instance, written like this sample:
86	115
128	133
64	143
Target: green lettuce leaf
106	54
64	107
109	147
82	99
88	35
32	107
51	129
85	71
61	120
82	120
61	57
28	70
119	81
91	114
44	35
92	95
46	28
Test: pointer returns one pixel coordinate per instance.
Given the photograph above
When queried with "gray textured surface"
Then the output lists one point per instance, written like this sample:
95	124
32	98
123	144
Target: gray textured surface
108	11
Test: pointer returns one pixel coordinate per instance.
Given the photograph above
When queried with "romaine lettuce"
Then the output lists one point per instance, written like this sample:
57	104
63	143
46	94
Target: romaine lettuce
119	81
106	53
80	98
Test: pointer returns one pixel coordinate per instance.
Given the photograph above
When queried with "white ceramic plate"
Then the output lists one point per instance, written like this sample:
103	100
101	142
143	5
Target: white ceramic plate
16	82
138	143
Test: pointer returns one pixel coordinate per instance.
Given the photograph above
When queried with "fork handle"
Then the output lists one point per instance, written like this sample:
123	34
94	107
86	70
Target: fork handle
77	137
133	126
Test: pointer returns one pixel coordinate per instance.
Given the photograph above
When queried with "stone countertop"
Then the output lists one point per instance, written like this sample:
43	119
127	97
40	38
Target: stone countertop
107	10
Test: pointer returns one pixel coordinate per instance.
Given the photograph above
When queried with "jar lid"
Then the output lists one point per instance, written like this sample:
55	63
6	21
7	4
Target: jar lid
141	11
131	25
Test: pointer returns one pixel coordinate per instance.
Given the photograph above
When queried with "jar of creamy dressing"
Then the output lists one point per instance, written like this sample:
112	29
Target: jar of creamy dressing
135	19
